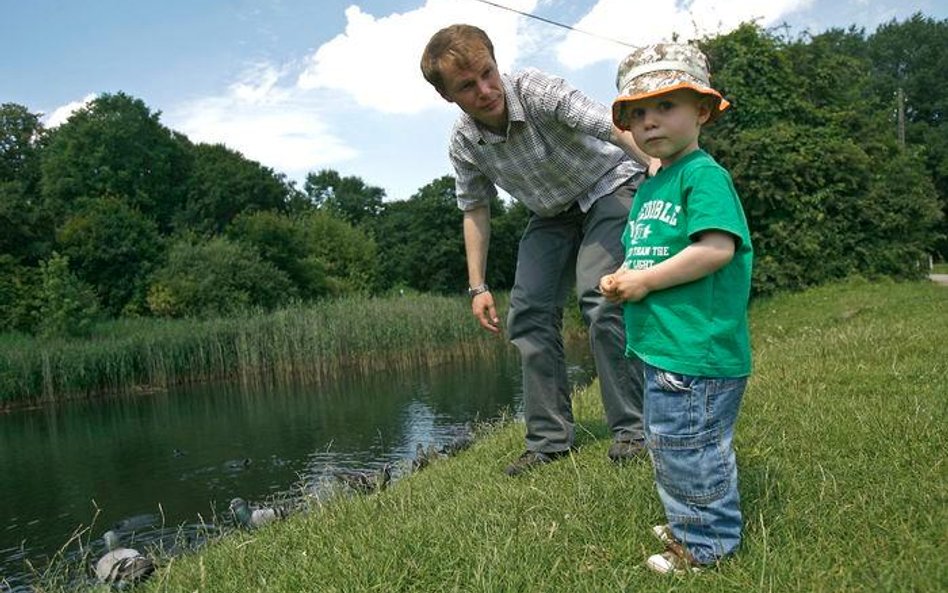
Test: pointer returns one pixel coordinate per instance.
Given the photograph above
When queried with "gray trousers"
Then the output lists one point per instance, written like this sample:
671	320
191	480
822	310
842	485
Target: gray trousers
556	253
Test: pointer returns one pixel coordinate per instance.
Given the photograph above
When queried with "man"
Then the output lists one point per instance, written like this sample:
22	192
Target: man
557	151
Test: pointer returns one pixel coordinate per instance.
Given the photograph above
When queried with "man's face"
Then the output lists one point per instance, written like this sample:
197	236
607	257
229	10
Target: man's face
476	89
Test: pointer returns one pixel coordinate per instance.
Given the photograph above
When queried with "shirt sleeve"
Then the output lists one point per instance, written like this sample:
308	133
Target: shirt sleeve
549	97
472	188
712	203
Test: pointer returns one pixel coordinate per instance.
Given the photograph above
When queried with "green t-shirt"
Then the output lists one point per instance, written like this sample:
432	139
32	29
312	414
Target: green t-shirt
698	328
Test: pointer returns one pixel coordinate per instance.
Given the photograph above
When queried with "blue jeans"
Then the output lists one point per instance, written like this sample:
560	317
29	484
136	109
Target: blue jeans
689	429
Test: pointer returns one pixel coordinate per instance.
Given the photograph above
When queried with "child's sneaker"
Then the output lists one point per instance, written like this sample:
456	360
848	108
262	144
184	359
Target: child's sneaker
668	562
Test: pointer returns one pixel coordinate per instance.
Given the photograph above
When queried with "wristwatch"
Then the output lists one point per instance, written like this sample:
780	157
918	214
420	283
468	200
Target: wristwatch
476	290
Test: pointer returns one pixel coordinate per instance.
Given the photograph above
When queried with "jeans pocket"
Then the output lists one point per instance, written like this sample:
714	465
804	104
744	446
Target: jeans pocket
691	467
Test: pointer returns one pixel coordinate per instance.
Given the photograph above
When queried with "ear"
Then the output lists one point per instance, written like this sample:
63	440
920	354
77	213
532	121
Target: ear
704	110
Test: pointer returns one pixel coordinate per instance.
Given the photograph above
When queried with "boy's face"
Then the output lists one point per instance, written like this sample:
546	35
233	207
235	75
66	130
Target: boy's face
667	126
476	88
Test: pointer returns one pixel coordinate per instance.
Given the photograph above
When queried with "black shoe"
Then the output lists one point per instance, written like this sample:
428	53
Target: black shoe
530	460
621	451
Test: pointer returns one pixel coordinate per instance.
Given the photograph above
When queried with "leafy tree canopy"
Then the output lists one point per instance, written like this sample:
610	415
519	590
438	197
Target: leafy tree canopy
282	241
22	232
348	198
217	277
346	253
20	135
224	184
113	248
69	306
115	146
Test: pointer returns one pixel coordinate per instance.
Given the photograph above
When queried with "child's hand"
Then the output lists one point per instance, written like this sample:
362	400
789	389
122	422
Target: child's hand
629	285
607	286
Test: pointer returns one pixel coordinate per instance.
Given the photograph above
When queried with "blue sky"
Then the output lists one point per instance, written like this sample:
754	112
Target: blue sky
302	85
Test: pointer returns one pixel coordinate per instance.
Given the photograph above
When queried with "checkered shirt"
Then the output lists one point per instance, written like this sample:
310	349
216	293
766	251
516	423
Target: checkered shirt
554	153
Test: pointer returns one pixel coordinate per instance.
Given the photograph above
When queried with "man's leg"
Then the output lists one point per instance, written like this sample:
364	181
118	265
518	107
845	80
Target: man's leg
620	378
543	280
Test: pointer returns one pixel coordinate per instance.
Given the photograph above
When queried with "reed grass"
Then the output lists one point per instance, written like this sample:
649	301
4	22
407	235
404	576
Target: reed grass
300	343
840	445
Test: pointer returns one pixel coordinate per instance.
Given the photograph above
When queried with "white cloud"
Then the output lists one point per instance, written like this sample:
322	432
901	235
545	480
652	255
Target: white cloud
266	122
376	59
63	113
288	118
258	85
641	23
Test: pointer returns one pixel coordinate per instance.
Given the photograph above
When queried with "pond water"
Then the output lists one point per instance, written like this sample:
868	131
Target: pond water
162	467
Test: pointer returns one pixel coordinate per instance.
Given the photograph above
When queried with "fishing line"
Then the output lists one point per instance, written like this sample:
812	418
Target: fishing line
552	22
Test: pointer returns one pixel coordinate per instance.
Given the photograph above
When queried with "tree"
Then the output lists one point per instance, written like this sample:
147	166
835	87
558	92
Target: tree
20	133
69	306
421	244
507	225
22	232
909	60
20	292
833	73
347	198
224	184
217	277
421	241
752	71
346	254
282	241
114	248
115	146
913	56
821	193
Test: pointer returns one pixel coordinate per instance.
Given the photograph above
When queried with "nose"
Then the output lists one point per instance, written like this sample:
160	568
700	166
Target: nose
483	88
649	119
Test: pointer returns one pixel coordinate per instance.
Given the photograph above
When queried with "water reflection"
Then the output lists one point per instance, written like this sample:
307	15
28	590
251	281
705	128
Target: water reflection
149	465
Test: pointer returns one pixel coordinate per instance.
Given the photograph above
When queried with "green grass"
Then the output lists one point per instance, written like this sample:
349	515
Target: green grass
841	447
941	268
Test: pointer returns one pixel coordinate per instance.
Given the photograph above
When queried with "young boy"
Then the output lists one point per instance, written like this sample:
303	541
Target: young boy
685	283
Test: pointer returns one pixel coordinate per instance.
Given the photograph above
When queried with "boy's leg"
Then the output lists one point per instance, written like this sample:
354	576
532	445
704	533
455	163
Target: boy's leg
544	276
601	253
690	429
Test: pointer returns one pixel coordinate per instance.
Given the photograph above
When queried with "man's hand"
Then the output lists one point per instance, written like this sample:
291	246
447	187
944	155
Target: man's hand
653	166
482	306
624	140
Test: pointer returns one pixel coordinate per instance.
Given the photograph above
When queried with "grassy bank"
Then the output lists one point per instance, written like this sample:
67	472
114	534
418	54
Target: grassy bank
309	343
841	446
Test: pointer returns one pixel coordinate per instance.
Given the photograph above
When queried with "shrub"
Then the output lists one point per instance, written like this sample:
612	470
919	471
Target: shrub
69	306
218	277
